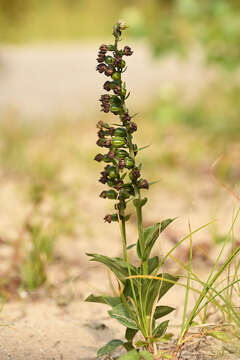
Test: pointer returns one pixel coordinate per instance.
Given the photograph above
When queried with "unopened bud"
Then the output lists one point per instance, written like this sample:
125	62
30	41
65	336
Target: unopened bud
118	142
132	126
121	164
99	157
109	218
144	184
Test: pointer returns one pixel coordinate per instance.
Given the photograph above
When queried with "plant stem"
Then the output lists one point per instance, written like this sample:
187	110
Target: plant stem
140	234
124	238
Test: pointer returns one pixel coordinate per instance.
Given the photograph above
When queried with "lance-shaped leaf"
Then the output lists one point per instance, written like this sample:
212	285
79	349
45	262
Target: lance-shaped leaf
154	288
117	265
165	223
121	314
162	311
151	234
160	329
108	300
109	347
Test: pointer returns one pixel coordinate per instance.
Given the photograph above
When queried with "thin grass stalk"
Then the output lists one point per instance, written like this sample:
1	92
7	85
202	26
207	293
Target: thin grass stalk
188	283
208	286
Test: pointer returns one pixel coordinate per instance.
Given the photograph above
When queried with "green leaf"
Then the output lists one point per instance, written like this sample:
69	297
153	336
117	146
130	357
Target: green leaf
131	355
150	234
161	329
144	147
115	101
153	182
109	347
152	264
145	355
109	300
162	311
165	223
131	246
117	265
155	287
167	285
130	333
121	314
219	335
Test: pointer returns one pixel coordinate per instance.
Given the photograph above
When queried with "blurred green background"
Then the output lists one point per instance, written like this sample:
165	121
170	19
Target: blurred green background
191	127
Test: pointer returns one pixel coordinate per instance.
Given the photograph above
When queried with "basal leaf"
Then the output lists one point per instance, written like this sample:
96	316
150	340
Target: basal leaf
109	347
160	329
130	333
131	355
145	355
121	314
162	311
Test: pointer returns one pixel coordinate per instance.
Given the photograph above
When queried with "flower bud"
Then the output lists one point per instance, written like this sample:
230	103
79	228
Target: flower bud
109	218
127	51
108	71
99	157
117	90
101	134
132	126
123	92
101	68
134	174
120	132
111	130
121	154
111	154
123	194
103	48
106	159
112	172
110	47
107	86
100	142
119	185
115	110
118	142
126	118
123	64
103	194
111	194
143	184
107	143
129	163
103	179
116	76
109	60
121	164
101	58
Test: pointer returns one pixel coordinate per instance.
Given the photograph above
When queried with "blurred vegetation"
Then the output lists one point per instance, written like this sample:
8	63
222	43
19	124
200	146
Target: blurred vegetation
169	25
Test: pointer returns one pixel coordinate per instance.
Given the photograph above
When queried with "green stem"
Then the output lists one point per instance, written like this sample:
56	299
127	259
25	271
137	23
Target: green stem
141	235
124	238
